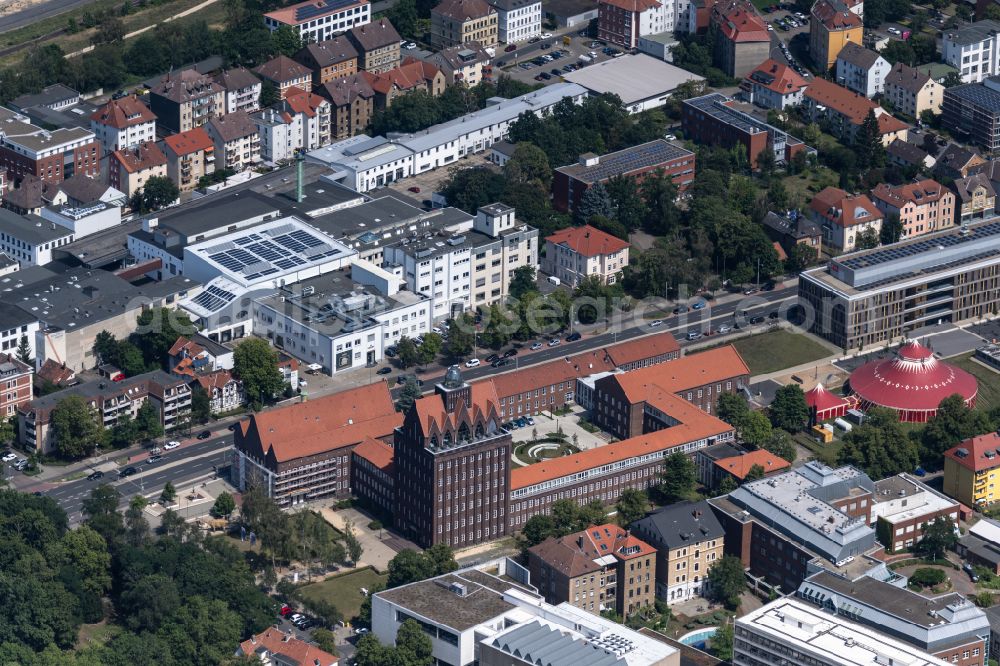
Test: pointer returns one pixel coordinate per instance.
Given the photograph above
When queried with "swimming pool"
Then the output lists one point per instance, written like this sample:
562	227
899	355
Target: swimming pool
698	637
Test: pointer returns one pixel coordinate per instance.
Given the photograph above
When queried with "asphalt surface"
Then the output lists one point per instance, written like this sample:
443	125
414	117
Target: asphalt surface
43	10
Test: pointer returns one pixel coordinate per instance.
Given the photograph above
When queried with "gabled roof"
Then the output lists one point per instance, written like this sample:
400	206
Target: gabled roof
329	52
291	648
965	188
680	525
740	466
743	25
843	209
461	56
908	78
344	91
146	155
851	105
215	380
84	189
579	553
464	10
300	101
907	152
189	142
377	452
648	346
123	112
834	18
409	75
236	78
977	453
374	35
233	126
958	158
283	69
56	373
858	56
186	85
777	77
588	241
919	193
483	404
674	377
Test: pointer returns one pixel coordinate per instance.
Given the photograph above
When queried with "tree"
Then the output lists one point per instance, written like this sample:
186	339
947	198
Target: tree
110	30
157	329
403	16
727	485
722	641
224	505
595	202
754	429
938	538
630	207
892	229
755	473
407	352
408	395
168	495
442	559
105	348
147	421
201	406
522	282
469	189
529	165
928	577
678	477
430	348
781	445
952	79
727	581
413	646
86	553
158	192
409	566
632	505
286	41
868	142
269	94
325	639
866	239
879	446
461	336
352	544
952	423
369	652
125	432
255	362
801	257
136	525
538	528
789	410
24	350
75	428
732	408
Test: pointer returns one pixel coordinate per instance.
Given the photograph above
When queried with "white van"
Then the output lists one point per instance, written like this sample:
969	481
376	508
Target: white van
554	280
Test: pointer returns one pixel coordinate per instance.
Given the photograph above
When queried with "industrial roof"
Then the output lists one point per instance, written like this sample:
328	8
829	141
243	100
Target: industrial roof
215	213
626	161
30	229
304	12
634	78
973	33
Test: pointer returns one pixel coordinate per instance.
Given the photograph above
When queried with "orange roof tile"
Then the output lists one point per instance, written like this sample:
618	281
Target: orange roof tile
430	409
411	74
189	142
575	554
707	367
743	25
975	452
215	380
588	241
851	105
377	452
834	18
301	101
276	641
843	209
636	349
552	372
123	112
146	155
919	192
777	77
694	425
739	466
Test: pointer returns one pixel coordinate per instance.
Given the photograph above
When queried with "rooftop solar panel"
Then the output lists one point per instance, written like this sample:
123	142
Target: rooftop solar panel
282	248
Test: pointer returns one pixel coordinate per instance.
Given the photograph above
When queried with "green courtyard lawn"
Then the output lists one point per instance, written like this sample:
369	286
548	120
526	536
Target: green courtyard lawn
989	381
777	350
344	591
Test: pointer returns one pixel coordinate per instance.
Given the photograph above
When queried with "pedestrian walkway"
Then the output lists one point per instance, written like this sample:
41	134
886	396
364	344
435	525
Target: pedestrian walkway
375	552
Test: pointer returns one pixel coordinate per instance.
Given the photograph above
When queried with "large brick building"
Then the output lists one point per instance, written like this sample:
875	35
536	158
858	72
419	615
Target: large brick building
15	385
52	156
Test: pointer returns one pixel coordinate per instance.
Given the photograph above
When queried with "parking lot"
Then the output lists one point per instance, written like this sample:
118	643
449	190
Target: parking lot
552	56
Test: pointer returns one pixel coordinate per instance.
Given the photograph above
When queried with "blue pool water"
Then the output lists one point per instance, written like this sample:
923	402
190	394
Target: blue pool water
698	637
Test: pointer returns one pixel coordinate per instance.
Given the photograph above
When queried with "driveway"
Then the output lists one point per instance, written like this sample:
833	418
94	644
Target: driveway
376	548
545	423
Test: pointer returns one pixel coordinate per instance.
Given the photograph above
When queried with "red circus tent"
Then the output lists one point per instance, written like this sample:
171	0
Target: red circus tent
825	405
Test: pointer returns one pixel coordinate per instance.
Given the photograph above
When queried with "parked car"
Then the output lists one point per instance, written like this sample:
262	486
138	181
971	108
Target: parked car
95	475
414	189
573	337
530	420
693	335
670	137
472	363
383	371
546	35
409	45
536	346
510	47
390	352
8	457
725	328
21	464
509	353
554	342
173	444
204	434
894	31
756	319
655	323
285	610
361	631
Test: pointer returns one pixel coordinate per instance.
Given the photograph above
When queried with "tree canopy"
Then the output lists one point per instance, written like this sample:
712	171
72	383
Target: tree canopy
255	362
879	446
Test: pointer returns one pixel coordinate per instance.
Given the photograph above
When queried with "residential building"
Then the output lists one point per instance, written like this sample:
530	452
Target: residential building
640	81
225	392
739	467
302	452
411	76
576	254
971	470
743	41
455	22
56	97
198	355
569	183
331	59
765	637
373	476
16	323
792	229
122	123
955	161
973	50
186	100
475	617
284	73
15	385
130	169
877	296
352	103
975	198
518	20
949	626
273	647
501	153
622	22
844	217
628	404
30	195
377	45
317	20
831	27
242	90
30	239
973	111
688	540
907	155
861	70
774	85
468	64
903	507
457	466
713	119
236	140
911	92
923	206
602	568
339	322
190	155
846	112
52	156
110	401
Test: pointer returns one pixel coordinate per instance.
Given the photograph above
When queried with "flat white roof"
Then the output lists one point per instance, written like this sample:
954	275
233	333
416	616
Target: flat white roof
634	78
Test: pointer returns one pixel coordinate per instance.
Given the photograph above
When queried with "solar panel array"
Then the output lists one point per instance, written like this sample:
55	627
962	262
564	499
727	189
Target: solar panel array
902	251
213	298
631	159
314	9
271	251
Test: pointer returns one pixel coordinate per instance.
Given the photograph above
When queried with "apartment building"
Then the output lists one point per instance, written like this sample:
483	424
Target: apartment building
122	123
975	198
330	59
832	26
972	111
792	229
302	452
468	64
569	183
623	22
972	470
688	540
236	140
846	112
911	91
225	392
242	90
131	168
743	39
110	401
576	254
52	156
973	50
923	206
455	22
411	76
284	73
844	217
190	155
774	85
861	70
378	46
518	20
602	568
903	507
352	103
15	385
318	20
273	647
713	119
186	100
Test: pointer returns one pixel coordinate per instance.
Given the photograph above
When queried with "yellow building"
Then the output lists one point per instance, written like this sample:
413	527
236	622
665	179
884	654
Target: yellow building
833	25
972	470
457	22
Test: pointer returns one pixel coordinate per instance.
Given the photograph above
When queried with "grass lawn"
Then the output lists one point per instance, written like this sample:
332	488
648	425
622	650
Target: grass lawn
96	634
344	591
777	350
803	187
989	381
825	453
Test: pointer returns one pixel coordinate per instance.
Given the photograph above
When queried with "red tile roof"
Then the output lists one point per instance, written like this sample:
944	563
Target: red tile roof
843	209
637	349
976	450
588	241
694	370
377	452
215	380
919	192
464	10
146	155
303	102
833	19
851	105
276	641
743	25
575	554
124	112
189	142
482	406
552	372
411	74
777	77
739	466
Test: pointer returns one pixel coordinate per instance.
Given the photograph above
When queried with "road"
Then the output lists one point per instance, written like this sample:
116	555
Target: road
37	12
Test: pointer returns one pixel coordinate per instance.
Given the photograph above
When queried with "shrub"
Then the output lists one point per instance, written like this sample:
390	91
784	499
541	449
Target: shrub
928	577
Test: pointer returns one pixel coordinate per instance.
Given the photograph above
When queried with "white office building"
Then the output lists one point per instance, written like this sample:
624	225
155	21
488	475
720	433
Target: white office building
518	20
30	239
319	20
973	50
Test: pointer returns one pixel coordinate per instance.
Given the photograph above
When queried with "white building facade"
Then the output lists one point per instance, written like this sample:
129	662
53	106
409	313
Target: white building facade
518	20
862	71
974	50
319	21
